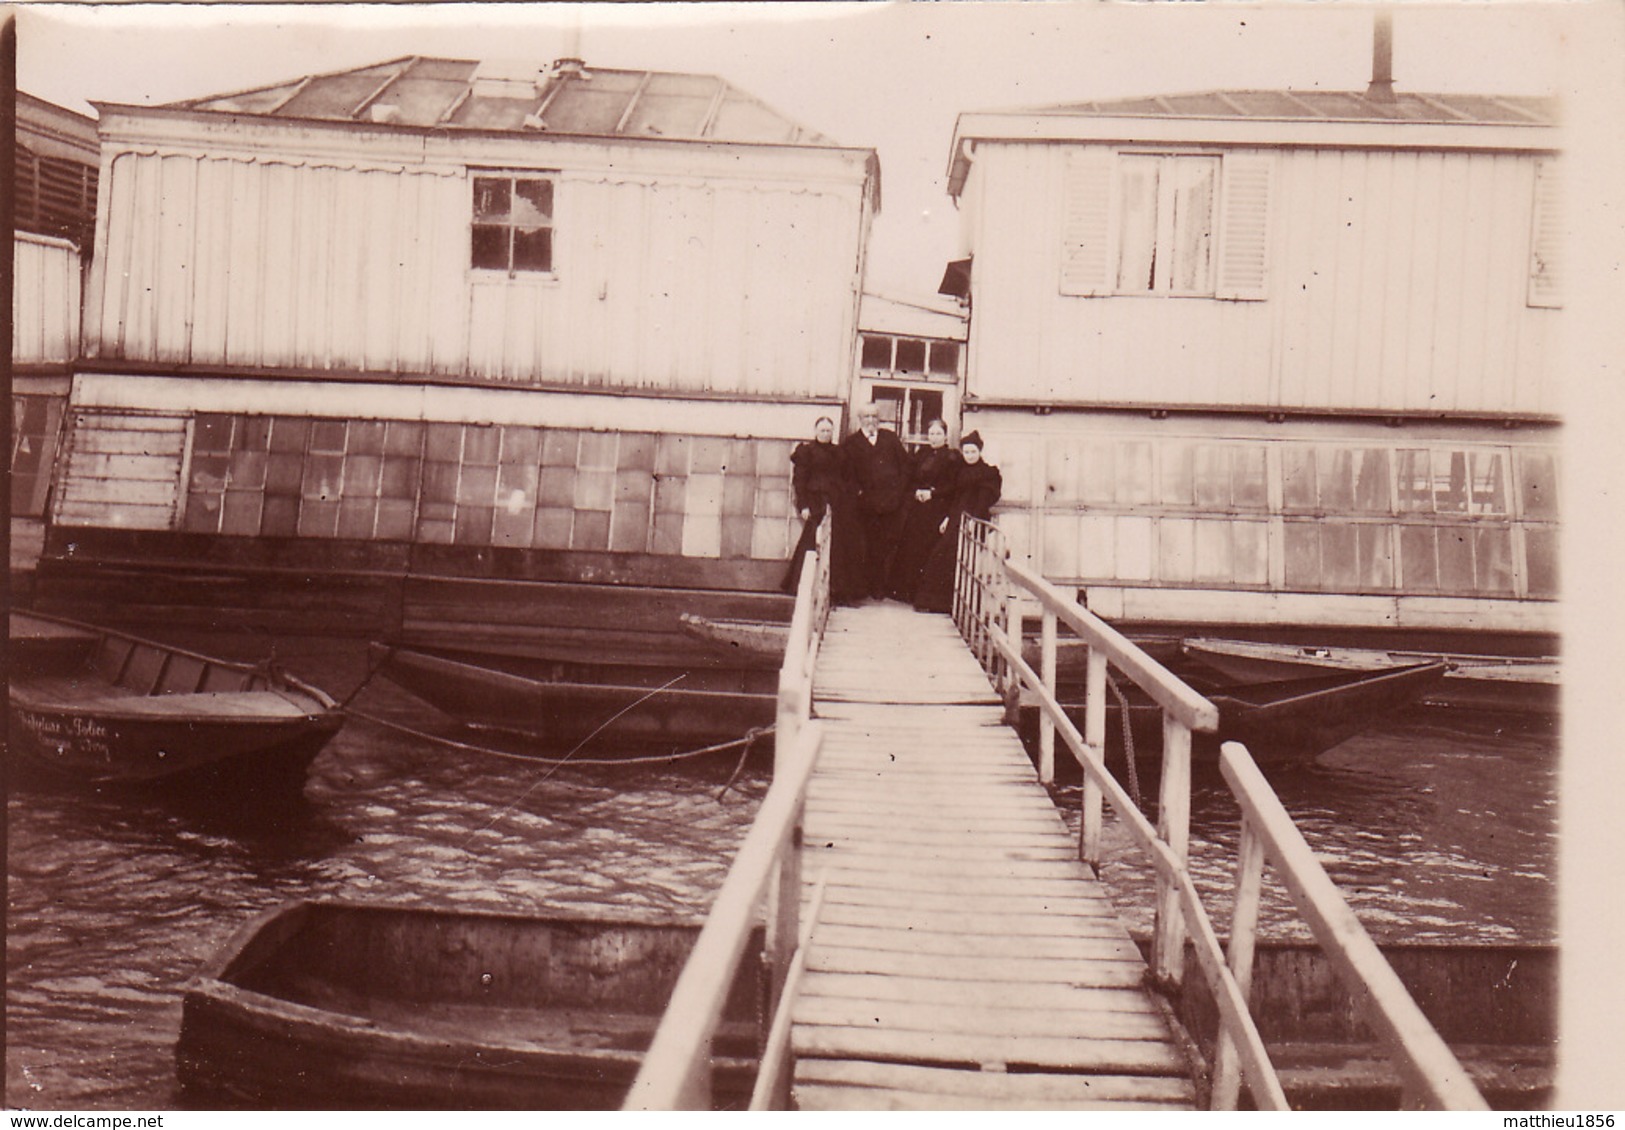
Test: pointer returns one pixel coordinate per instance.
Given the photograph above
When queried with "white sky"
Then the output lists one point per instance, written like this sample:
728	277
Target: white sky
891	76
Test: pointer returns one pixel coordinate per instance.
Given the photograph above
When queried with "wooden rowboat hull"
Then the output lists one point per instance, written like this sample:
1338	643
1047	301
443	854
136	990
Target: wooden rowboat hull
1486	682
560	714
333	1004
92	705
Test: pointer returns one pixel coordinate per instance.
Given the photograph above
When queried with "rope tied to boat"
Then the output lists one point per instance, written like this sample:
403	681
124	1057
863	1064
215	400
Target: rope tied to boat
1128	740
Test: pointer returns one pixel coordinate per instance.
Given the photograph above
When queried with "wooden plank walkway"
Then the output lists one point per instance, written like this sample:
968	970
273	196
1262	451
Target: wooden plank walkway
964	958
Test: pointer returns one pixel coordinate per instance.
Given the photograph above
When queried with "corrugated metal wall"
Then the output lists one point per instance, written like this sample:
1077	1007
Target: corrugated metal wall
44	300
1399	281
660	283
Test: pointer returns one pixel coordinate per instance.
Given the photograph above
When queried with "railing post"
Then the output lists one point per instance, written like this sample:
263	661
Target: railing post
784	919
1173	828
1094	735
1046	728
1243	938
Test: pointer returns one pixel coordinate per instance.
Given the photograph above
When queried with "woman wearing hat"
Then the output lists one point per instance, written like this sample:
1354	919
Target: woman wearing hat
976	491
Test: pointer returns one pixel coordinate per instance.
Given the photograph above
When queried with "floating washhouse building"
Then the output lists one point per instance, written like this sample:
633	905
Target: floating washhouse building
54	216
1273	360
419	336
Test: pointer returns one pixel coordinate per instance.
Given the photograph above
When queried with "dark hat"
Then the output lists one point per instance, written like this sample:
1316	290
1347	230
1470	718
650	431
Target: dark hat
971	437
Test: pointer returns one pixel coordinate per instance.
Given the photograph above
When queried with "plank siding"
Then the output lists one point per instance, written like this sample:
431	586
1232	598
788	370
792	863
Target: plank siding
44	300
1398	283
663	280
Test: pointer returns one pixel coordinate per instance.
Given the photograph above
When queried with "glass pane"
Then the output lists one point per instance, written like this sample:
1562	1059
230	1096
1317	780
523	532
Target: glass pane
1098	478
1337	481
1489	483
491	198
490	248
910	355
1450	486
1177	461
1302	556
1371	481
1193	182
1492	559
532	202
1376	558
1540	565
1251	545
889	403
1416	552
1134	474
1176	550
1247	476
1415	483
876	352
1298	478
1137	224
1455	559
211	433
1212	476
1215	560
533	249
1537	484
945	358
1339	566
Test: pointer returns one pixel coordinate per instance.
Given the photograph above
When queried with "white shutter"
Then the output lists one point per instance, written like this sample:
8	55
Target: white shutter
1546	238
1244	225
1086	210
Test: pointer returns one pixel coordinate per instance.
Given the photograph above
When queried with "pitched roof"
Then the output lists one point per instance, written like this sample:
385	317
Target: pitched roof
564	98
1327	106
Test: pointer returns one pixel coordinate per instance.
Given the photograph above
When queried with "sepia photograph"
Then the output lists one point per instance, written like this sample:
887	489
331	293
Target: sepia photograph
823	557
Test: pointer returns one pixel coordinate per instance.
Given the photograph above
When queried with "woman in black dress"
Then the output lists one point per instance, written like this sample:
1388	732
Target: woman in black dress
817	482
933	470
976	492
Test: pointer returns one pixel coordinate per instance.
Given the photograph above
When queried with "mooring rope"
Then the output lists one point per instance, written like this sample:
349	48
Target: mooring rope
531	759
1128	741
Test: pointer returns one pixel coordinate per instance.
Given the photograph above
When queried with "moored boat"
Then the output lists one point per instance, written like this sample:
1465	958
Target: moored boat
338	1004
1504	682
617	709
93	705
1278	720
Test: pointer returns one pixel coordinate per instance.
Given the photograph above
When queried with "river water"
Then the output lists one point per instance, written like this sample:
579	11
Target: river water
1437	826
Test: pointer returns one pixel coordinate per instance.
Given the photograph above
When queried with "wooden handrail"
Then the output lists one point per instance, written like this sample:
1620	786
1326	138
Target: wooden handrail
676	1072
1432	1073
1166	688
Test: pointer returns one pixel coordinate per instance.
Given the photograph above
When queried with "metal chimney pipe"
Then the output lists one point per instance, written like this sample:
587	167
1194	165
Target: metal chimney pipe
1382	58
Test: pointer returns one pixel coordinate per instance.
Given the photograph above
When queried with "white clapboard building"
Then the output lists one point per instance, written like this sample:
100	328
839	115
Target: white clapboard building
440	316
1273	358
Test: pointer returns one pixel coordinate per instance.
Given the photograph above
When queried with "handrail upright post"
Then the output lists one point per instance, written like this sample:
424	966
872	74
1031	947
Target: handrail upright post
1173	828
1094	735
1243	940
1046	727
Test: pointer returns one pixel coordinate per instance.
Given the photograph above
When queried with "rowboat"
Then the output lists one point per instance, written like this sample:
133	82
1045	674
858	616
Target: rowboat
339	1004
618	709
1480	681
1278	720
93	705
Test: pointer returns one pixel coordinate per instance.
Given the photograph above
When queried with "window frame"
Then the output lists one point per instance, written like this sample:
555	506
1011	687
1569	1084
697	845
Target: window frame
550	177
1165	223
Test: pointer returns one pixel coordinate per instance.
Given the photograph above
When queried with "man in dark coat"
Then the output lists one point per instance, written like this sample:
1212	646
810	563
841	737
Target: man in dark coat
877	473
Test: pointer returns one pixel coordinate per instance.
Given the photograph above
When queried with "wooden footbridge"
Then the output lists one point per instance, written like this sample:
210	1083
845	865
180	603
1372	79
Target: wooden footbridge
938	939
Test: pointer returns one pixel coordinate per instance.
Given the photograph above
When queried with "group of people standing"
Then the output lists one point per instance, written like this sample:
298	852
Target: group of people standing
894	531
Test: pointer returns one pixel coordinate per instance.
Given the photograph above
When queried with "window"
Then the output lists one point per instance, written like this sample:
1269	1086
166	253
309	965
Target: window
908	411
922	358
513	223
1168	224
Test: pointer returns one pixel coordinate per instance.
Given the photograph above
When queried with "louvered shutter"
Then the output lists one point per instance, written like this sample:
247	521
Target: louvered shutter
1086	210
1546	238
1244	226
